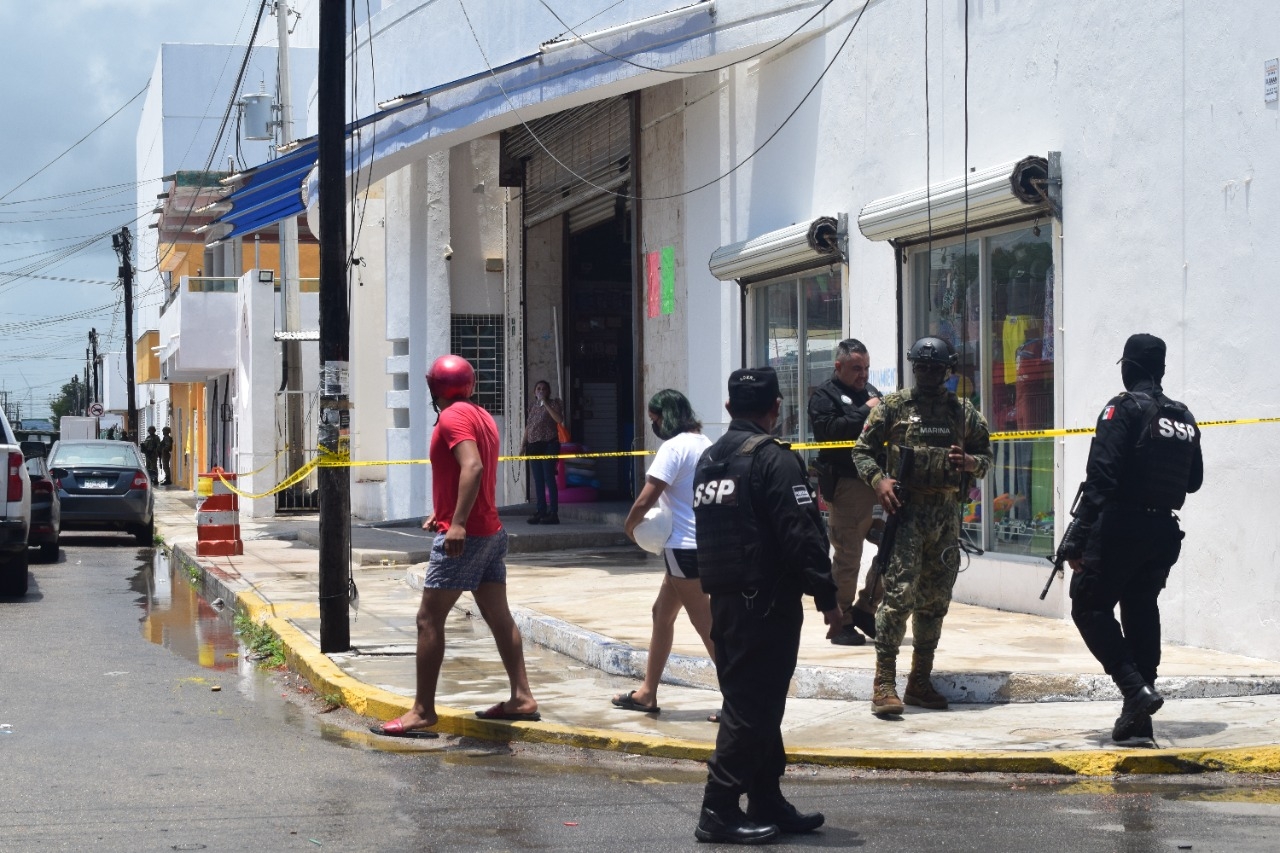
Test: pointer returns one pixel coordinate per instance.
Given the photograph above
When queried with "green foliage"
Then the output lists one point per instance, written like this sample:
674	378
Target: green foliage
71	400
264	645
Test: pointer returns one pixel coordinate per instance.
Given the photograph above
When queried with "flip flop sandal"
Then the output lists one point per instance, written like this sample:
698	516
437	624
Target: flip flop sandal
498	712
629	703
713	717
395	728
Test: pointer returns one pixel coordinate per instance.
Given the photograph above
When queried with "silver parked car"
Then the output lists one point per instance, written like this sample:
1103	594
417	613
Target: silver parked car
103	485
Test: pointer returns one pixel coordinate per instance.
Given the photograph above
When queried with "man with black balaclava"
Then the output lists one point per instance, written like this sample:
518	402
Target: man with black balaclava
935	442
1144	459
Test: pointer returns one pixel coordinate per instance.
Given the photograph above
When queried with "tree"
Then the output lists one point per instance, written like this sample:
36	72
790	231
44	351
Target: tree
70	401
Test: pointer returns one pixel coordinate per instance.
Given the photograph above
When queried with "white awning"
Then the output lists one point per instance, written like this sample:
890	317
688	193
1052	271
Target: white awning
1007	191
798	247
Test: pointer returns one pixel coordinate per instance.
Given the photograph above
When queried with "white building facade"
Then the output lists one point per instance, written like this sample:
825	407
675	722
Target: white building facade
554	203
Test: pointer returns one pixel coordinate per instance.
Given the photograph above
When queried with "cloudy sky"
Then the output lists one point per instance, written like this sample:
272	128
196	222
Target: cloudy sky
71	65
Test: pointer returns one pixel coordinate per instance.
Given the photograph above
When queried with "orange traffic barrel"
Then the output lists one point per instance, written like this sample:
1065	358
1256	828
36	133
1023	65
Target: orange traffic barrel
218	517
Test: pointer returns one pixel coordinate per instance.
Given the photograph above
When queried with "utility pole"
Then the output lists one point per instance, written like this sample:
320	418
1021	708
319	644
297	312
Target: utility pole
290	286
124	247
335	331
97	372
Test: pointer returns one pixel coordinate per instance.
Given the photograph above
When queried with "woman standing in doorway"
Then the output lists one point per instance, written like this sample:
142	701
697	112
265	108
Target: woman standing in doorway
542	438
669	480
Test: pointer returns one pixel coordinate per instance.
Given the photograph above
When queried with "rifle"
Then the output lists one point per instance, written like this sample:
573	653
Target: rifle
1058	557
889	536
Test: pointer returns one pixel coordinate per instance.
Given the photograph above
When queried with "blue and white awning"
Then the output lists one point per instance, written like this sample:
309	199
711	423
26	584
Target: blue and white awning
558	75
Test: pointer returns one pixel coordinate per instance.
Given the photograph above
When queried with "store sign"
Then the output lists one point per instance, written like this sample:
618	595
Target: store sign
1271	81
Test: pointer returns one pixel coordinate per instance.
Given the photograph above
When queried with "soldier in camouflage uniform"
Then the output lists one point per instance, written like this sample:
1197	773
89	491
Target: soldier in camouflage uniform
938	442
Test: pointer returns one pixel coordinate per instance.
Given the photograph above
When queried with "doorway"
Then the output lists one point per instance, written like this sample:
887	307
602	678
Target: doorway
600	350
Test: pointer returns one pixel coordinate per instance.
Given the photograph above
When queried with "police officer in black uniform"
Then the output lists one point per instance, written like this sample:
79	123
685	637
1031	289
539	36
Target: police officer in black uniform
1144	459
761	547
837	410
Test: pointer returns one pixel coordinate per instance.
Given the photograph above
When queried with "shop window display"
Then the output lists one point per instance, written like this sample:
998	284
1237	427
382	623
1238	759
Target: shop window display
797	323
993	299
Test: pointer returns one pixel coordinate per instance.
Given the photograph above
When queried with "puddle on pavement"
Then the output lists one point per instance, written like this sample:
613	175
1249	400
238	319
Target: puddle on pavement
176	616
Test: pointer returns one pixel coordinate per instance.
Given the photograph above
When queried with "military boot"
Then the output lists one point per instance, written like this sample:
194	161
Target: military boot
1133	729
920	690
1140	700
884	695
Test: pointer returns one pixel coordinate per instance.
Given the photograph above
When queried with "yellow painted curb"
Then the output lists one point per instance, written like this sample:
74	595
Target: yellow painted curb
326	677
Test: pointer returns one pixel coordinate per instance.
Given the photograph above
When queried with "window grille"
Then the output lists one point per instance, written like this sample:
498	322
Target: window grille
479	339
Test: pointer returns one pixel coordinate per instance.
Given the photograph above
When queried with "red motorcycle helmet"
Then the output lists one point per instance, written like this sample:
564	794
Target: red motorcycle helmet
451	377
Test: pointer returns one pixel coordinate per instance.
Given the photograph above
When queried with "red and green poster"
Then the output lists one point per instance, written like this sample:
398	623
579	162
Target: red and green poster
660	280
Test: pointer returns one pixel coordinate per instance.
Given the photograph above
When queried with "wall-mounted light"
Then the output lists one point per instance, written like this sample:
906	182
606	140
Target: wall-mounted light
266	276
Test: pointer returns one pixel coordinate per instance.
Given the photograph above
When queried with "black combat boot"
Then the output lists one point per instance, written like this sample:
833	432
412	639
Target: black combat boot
1140	700
774	809
1132	730
728	825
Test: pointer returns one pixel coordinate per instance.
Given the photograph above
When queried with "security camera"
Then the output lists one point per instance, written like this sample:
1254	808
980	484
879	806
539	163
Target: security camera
448	252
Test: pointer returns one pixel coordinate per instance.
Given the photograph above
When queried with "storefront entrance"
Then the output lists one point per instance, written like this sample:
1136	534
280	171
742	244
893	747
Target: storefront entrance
599	350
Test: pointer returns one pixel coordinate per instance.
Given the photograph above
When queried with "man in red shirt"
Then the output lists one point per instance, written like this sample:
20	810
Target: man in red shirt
468	552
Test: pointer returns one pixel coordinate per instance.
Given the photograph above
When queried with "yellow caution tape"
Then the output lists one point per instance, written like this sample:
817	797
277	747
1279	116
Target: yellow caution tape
334	460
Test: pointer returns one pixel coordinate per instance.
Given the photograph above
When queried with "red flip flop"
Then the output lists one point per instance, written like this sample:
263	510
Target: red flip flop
395	728
499	712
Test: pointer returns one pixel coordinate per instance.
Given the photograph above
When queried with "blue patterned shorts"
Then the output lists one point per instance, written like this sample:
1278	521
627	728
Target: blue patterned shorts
482	561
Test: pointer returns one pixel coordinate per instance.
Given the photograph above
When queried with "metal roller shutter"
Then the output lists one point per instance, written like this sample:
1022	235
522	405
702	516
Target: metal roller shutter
591	142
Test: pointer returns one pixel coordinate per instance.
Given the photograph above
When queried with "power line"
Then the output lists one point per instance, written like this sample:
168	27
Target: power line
56	196
77	142
57	278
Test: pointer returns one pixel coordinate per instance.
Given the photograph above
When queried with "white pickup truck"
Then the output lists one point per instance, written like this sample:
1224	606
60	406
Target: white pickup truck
15	515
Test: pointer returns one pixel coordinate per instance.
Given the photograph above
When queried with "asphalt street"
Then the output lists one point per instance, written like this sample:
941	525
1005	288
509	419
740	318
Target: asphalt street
114	738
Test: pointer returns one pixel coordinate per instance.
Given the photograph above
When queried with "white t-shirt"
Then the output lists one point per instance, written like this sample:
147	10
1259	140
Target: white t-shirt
674	465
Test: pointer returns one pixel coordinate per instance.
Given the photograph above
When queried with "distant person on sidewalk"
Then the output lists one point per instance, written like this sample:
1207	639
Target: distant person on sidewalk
669	481
761	548
166	456
1144	458
542	438
468	551
837	410
151	450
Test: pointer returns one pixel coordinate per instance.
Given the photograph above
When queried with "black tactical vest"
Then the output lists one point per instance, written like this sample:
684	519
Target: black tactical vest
731	553
1160	467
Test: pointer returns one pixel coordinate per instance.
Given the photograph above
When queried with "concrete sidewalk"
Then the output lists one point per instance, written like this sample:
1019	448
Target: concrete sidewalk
1027	696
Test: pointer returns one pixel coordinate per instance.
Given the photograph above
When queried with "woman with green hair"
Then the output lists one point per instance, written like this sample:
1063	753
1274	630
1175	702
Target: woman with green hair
669	482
